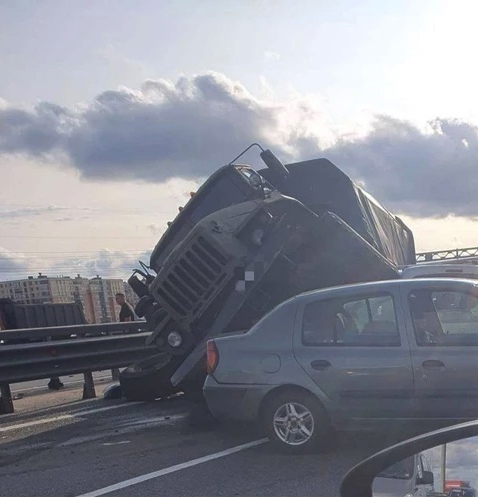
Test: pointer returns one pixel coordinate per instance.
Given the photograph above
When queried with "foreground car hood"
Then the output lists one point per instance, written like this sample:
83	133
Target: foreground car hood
391	487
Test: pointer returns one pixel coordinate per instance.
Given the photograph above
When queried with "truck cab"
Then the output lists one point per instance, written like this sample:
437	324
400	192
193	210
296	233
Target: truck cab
229	185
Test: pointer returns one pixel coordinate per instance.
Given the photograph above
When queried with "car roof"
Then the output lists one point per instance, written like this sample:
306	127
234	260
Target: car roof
383	286
440	267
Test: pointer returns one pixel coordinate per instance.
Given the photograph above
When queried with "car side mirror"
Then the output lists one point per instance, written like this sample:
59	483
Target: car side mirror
426	479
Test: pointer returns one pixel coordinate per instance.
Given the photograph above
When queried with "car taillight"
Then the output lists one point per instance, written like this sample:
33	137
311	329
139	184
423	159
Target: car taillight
212	356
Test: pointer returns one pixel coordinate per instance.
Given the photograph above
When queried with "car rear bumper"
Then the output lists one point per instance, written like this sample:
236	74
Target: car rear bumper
233	401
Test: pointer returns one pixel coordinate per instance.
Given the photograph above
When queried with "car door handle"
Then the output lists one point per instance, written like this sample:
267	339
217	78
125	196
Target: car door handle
320	365
433	364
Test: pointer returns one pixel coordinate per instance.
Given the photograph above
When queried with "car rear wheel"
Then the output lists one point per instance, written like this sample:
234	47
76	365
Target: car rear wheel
296	422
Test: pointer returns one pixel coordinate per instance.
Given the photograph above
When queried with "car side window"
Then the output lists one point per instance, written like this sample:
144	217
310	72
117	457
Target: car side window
359	321
444	318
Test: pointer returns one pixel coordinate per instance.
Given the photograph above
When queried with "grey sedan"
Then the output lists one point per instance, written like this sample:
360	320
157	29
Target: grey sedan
351	357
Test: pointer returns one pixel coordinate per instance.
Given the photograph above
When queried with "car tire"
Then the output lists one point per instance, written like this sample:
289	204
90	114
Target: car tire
149	379
297	423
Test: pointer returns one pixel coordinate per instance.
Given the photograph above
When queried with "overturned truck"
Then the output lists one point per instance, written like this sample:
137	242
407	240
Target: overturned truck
246	241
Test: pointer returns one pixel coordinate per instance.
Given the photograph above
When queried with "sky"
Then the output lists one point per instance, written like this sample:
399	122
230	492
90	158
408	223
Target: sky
111	112
461	461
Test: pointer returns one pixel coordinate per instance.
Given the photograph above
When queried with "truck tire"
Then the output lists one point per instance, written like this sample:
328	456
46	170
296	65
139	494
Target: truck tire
296	422
149	379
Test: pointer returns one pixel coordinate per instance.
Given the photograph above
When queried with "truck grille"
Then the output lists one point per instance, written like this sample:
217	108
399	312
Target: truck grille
189	283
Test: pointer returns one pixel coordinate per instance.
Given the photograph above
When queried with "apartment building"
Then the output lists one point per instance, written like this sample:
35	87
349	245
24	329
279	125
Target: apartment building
82	293
40	290
96	294
103	293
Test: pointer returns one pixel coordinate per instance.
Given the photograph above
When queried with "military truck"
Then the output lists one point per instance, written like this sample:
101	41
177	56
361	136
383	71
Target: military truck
243	243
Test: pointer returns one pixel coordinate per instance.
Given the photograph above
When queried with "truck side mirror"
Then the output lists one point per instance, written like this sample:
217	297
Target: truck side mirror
272	162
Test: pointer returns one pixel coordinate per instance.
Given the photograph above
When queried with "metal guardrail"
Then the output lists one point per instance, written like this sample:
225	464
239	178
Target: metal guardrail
462	254
80	330
41	357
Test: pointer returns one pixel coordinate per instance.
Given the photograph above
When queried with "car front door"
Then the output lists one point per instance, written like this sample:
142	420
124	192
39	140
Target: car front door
443	327
356	350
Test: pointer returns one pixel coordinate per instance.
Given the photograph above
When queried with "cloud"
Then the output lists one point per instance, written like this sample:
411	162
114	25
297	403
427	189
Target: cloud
424	173
155	229
164	130
67	219
42	210
30	211
271	56
190	127
12	265
106	263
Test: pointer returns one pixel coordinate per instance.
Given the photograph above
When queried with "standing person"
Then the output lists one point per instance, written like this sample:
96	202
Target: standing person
126	314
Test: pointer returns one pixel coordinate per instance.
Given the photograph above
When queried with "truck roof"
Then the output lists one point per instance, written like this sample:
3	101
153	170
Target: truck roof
321	185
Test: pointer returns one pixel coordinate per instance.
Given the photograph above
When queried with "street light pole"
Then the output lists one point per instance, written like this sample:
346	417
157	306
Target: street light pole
443	466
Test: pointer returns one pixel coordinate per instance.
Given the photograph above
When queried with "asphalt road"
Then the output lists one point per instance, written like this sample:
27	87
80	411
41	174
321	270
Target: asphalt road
96	447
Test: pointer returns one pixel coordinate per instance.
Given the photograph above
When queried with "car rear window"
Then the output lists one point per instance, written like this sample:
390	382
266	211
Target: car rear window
444	317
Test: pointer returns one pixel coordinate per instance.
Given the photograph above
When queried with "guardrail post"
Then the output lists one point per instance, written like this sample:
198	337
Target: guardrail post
6	402
115	374
89	386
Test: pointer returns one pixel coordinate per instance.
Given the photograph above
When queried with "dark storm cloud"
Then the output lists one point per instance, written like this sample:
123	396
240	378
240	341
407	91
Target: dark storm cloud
189	128
425	174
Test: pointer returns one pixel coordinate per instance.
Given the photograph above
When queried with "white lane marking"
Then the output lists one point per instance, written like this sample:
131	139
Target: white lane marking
35	423
172	469
117	443
102	409
74	415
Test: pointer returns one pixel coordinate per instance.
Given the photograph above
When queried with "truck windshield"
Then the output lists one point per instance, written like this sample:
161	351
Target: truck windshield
230	185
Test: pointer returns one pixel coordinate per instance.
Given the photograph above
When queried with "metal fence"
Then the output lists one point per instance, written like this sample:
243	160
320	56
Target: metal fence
37	353
463	255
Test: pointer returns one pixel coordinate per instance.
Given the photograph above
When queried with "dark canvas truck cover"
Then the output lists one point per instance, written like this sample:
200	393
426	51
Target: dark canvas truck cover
320	185
18	316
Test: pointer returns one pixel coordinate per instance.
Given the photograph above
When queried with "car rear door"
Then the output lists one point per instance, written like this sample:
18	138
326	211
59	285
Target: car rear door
443	326
355	347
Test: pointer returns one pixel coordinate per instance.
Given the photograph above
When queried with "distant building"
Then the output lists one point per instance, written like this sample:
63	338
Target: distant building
103	293
97	295
82	293
131	297
40	290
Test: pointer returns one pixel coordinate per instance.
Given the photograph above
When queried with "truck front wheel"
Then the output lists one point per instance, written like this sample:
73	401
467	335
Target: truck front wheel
149	379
